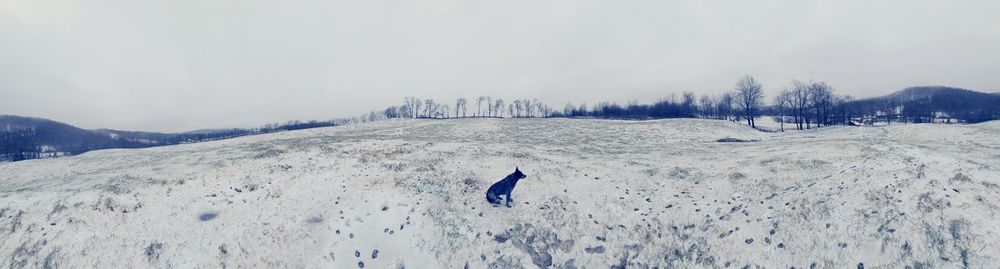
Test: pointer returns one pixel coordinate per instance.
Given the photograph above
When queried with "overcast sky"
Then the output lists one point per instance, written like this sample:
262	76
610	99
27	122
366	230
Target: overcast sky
176	65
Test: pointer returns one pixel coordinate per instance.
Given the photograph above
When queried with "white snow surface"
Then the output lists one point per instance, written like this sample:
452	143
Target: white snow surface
599	194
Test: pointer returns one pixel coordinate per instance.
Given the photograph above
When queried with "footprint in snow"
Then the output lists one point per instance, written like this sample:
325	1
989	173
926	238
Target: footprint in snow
207	216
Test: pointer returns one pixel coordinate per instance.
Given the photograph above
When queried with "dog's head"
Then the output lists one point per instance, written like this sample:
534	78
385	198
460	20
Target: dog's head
517	174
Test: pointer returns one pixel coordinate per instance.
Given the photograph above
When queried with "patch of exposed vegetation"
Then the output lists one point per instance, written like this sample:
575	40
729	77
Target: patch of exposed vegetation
733	140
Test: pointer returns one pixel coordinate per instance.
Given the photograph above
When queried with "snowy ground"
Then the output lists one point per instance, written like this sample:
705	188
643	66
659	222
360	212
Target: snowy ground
599	194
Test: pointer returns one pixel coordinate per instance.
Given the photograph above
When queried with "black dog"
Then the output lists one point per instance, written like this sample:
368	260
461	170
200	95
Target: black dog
504	187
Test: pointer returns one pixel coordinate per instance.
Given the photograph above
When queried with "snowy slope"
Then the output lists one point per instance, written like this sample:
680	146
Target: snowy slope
599	194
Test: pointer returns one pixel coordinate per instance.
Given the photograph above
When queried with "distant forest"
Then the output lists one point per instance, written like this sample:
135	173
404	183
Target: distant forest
801	105
928	105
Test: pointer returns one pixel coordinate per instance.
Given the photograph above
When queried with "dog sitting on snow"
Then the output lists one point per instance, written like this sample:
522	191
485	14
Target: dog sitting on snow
504	187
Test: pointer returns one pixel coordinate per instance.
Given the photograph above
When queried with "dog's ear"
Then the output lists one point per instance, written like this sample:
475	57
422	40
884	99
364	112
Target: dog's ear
516	169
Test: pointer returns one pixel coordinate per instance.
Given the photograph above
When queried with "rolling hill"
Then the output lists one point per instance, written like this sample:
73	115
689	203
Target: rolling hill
29	138
25	138
599	194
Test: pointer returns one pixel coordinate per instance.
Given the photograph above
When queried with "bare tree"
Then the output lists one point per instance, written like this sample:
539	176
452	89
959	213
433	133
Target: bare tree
517	108
405	108
498	107
529	107
781	103
416	107
800	103
688	104
489	106
412	106
429	107
479	105
545	110
465	108
726	106
705	105
749	92
460	104
822	102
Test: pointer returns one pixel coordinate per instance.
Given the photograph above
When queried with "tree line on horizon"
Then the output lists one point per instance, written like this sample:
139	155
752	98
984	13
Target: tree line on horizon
745	102
802	104
485	107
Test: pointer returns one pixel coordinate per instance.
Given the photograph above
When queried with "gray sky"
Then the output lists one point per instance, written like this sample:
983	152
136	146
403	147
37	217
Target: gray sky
175	65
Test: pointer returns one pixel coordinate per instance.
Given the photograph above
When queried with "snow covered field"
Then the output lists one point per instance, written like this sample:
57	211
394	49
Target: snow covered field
599	194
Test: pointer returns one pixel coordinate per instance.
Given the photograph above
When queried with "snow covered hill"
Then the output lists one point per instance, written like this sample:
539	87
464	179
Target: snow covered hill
599	194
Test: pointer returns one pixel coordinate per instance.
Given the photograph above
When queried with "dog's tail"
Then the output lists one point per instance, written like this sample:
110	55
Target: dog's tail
492	198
